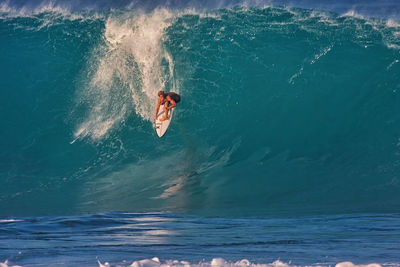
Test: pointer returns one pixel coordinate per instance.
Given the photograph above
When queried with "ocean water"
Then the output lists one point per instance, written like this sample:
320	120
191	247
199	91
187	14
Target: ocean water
284	151
129	239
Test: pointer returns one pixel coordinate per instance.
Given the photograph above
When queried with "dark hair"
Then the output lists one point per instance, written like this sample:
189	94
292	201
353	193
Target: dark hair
161	93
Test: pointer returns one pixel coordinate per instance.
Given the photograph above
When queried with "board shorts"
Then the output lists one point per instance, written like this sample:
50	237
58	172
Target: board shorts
175	97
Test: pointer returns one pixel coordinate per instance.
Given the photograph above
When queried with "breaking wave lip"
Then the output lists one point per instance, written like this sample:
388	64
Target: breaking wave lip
51	9
47	15
365	9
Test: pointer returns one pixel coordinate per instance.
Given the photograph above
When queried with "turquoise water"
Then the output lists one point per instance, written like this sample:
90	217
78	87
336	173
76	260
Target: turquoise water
290	115
284	109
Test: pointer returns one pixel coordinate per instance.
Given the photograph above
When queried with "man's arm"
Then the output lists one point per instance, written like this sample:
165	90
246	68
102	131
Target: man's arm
157	108
173	104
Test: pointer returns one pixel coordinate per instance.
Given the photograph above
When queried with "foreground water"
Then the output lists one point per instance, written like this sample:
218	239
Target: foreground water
120	239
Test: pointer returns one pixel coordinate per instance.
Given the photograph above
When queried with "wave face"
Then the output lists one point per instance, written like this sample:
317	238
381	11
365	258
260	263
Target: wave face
283	110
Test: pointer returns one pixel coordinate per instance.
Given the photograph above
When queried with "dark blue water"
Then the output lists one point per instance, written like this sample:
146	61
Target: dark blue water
290	114
121	238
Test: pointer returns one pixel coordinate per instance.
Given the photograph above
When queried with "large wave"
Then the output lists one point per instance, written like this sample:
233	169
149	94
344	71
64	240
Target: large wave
283	109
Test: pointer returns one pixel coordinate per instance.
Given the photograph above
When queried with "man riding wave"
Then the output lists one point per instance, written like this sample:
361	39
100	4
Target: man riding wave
169	100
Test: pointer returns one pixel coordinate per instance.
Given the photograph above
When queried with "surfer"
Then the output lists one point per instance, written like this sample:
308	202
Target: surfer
169	100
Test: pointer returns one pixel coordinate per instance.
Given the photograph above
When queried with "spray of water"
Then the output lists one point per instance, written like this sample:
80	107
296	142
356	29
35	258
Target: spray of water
125	72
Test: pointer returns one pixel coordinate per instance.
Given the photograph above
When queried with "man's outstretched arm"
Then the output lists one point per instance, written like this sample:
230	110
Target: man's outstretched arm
157	108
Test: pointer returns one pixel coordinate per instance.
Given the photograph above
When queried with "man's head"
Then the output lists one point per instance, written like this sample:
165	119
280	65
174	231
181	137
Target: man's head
161	93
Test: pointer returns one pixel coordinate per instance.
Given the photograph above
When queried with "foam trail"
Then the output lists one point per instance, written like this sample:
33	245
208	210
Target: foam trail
6	264
220	262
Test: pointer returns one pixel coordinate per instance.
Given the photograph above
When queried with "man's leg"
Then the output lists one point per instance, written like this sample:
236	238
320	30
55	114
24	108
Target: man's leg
165	113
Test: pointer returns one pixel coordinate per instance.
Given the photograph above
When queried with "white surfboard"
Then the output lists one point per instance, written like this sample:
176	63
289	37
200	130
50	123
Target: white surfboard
162	126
